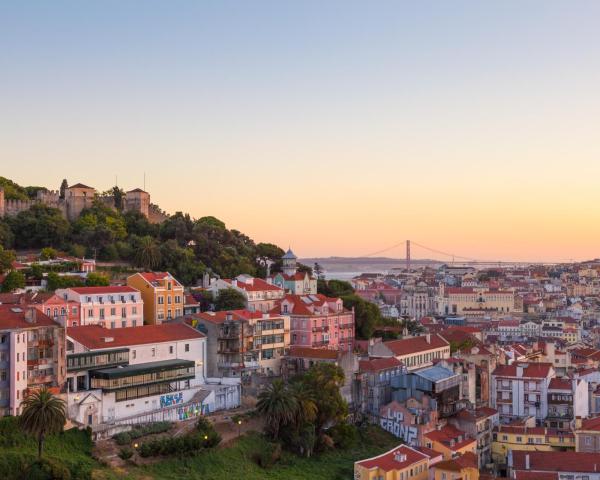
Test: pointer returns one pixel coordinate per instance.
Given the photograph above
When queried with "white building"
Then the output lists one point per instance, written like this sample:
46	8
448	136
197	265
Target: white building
521	390
142	374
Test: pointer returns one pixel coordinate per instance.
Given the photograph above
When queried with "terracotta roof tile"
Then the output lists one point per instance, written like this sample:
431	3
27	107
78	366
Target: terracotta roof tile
94	336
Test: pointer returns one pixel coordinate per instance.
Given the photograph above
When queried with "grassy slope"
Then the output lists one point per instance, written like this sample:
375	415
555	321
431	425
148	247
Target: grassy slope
237	462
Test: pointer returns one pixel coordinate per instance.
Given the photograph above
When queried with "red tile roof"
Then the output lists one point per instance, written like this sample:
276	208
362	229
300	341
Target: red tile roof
530	370
408	346
221	316
378	364
389	461
12	316
103	290
256	285
524	475
94	336
152	277
557	461
591	424
560	384
448	434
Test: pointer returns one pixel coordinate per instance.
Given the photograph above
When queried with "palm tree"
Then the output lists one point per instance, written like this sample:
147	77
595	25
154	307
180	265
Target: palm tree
147	254
306	408
277	405
43	414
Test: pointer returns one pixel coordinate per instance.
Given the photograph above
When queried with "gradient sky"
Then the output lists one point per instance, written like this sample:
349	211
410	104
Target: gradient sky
338	127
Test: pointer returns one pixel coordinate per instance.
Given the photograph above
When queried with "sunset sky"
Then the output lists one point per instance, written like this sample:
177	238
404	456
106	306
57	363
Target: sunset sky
336	127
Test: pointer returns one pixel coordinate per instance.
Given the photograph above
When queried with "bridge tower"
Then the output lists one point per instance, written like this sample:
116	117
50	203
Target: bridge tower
408	255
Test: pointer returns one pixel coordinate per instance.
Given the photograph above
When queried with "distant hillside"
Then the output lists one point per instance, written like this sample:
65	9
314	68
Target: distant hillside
365	264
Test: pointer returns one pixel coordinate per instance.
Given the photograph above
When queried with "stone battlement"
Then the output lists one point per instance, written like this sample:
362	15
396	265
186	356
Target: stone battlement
72	205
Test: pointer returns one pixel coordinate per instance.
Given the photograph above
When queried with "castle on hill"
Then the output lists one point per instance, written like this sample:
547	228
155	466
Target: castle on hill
78	197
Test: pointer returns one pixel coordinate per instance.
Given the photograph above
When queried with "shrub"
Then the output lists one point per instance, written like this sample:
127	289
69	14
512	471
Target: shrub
268	455
344	435
122	438
126	453
48	469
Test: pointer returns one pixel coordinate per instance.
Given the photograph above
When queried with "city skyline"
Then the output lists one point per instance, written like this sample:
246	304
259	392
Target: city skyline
337	129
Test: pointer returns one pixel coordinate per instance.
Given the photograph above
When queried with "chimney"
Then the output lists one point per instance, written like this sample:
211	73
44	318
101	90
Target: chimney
519	370
229	316
428	338
527	464
31	315
234	282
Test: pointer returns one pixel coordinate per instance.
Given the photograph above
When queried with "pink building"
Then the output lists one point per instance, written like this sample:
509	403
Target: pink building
110	307
31	355
260	295
318	321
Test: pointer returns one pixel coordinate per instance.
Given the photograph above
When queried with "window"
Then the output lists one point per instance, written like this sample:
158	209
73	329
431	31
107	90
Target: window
113	324
133	354
113	312
134	323
161	300
102	313
187	347
123	323
134	310
169	298
153	352
171	349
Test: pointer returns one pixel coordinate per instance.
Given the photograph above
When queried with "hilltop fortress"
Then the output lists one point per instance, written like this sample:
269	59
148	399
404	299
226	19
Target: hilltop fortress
78	197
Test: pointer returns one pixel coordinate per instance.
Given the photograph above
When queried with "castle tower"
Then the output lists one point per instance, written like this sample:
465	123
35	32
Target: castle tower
289	263
138	201
1	202
77	198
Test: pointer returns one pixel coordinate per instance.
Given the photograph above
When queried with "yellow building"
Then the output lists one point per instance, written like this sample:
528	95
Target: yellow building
162	295
450	442
463	467
538	439
400	463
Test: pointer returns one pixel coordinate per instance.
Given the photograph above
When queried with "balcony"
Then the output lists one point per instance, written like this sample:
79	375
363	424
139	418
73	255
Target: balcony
324	328
508	400
320	344
142	374
97	359
346	326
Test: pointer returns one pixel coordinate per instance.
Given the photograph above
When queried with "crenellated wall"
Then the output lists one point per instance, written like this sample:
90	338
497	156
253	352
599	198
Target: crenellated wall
72	205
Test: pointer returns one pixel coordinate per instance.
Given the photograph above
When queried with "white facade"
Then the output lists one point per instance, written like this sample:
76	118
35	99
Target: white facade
162	387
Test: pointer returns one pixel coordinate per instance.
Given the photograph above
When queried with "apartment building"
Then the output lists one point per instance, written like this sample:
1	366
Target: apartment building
162	294
450	442
109	307
521	390
587	435
318	321
414	352
241	342
567	399
32	349
478	424
555	465
141	374
374	379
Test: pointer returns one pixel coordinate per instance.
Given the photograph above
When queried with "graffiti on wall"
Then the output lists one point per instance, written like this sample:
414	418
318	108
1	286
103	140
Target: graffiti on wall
171	399
393	422
192	410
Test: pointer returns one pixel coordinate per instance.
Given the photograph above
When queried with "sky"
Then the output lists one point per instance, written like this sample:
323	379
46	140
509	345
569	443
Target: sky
336	127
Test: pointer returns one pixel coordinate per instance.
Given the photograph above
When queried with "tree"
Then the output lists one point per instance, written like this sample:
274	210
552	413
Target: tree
147	253
6	259
277	406
43	414
230	299
366	315
95	279
13	281
48	253
334	288
7	237
63	188
55	281
318	271
118	195
39	227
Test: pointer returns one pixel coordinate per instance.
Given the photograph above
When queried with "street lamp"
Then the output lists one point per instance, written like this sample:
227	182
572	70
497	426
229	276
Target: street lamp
239	422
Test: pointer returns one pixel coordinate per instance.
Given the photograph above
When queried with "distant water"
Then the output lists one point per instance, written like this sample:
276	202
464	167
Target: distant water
346	275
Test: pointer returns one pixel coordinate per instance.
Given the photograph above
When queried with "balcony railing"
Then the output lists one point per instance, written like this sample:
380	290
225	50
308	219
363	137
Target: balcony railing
142	374
97	359
323	328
